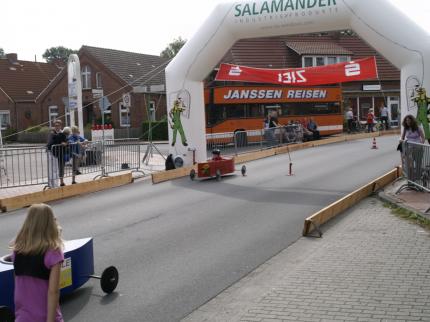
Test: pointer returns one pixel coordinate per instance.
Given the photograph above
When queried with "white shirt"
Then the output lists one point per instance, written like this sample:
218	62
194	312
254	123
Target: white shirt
384	112
349	115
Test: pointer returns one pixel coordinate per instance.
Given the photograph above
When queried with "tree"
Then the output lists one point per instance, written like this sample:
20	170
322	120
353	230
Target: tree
173	48
60	53
1	52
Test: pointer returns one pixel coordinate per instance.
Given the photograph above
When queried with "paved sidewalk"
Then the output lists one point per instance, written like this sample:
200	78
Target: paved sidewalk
409	199
369	266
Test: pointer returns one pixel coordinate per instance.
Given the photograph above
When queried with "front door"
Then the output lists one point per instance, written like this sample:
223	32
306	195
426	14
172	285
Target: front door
394	110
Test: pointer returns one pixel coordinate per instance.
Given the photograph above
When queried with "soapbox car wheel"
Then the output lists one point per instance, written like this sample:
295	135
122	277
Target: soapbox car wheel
192	174
6	314
218	175
109	279
243	170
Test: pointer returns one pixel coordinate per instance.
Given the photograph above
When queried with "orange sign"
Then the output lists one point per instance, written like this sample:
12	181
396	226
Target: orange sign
243	94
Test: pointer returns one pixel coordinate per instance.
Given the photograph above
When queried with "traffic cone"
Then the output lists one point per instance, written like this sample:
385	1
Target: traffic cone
374	147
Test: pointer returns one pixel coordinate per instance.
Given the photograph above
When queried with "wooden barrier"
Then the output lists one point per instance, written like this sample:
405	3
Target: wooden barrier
313	222
17	202
163	176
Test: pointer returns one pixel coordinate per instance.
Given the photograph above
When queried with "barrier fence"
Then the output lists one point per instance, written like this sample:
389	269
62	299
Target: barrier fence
38	166
416	166
234	143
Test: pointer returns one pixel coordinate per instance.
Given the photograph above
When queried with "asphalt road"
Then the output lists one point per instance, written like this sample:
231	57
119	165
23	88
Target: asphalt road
180	243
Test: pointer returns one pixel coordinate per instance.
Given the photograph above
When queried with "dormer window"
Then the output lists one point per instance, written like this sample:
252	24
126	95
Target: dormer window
86	77
313	61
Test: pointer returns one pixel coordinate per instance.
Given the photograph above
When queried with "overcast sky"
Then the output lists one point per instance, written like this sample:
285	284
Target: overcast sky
29	27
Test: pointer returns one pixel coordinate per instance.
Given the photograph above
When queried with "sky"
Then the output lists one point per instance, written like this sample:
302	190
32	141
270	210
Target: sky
29	27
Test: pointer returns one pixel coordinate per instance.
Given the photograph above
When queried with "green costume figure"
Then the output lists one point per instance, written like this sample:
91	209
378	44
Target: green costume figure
176	124
422	102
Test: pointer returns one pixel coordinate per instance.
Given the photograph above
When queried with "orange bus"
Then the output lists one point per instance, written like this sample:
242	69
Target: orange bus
243	108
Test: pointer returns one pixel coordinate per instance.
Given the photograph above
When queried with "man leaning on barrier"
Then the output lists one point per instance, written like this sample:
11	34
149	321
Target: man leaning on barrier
57	141
52	161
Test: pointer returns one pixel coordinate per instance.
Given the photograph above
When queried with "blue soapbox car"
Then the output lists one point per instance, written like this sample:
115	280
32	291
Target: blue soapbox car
76	270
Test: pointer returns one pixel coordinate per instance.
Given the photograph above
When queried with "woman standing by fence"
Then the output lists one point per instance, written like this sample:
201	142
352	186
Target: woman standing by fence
412	156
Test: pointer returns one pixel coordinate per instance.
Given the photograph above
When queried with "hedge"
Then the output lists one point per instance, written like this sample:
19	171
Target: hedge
159	131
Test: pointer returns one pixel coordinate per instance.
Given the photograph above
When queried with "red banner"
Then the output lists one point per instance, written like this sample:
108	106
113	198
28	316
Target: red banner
360	69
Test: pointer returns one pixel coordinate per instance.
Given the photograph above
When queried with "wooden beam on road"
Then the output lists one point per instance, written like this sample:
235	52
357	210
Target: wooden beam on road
324	215
163	176
18	202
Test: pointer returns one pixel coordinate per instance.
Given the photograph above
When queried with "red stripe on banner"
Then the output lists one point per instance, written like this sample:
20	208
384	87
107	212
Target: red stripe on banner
356	70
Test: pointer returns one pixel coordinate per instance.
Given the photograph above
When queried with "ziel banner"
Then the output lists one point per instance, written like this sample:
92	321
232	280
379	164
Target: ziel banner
360	69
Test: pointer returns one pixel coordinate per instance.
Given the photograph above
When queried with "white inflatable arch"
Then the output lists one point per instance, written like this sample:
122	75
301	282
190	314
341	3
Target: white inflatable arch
378	22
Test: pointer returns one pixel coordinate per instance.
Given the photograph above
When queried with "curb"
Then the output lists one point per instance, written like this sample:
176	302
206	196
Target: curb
393	201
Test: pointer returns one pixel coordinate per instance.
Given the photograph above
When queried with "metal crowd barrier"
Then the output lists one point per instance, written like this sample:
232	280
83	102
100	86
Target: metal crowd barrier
234	143
416	166
23	166
38	166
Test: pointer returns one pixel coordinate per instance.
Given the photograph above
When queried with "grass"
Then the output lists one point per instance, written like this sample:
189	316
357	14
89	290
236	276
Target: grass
409	215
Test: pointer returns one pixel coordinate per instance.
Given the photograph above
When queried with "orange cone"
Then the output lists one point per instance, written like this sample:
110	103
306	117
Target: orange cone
374	147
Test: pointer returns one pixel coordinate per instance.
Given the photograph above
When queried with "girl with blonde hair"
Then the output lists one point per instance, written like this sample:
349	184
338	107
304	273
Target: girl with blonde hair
37	258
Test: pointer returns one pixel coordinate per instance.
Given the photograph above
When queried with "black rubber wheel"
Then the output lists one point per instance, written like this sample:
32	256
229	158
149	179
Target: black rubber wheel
243	170
109	279
6	314
218	175
192	174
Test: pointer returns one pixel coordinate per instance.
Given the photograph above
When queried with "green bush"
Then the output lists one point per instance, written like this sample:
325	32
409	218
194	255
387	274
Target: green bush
9	135
108	120
159	130
37	129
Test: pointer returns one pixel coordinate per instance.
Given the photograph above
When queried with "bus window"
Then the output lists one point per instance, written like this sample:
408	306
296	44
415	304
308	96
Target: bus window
235	111
255	110
215	114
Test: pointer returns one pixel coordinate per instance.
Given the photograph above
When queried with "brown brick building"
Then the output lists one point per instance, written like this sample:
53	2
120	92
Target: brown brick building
21	84
35	93
115	73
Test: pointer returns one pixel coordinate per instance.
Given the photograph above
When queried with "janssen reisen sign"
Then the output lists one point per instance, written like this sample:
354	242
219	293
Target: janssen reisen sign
261	94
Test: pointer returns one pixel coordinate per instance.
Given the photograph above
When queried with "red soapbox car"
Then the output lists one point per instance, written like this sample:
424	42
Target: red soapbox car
216	167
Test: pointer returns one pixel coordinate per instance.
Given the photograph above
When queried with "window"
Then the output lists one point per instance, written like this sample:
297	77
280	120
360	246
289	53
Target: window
319	61
86	77
308	61
124	115
4	120
312	61
99	80
152	111
53	114
331	60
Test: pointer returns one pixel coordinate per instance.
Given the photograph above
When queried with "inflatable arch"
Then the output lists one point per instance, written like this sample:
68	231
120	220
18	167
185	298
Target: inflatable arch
382	25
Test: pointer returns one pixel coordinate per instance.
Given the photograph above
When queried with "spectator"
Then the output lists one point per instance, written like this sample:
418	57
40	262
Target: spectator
412	160
273	119
37	257
52	160
77	150
313	127
57	145
384	116
350	120
370	120
411	131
